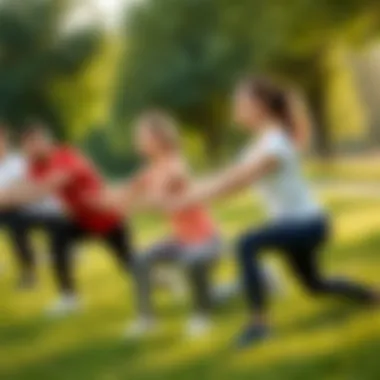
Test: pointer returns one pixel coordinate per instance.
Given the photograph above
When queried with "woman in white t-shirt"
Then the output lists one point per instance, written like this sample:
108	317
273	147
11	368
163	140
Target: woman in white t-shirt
298	227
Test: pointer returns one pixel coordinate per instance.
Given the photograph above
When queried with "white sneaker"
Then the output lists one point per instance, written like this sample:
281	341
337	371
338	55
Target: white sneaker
197	326
66	304
140	327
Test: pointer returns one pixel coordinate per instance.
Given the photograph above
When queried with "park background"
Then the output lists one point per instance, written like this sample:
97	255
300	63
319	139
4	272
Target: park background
87	68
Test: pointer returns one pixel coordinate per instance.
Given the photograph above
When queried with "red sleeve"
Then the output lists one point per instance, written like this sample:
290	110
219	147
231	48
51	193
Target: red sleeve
63	161
77	170
71	162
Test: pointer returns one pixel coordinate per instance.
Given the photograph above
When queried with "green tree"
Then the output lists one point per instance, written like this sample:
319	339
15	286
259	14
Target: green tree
188	61
107	155
35	50
185	55
318	27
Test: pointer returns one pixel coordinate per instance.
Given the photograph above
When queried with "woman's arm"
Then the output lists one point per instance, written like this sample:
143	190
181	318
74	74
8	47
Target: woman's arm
125	196
120	198
29	192
229	181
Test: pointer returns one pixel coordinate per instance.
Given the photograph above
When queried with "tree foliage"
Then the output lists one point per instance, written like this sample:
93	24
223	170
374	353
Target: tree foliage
35	50
185	55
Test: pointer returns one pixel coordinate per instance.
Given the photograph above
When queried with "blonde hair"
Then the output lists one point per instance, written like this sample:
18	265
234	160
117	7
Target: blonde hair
162	126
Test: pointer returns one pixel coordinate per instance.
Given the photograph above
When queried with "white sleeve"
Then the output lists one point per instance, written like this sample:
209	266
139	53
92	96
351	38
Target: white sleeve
271	145
274	145
17	170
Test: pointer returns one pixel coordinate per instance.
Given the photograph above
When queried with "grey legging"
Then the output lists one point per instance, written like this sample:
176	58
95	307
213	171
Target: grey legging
197	261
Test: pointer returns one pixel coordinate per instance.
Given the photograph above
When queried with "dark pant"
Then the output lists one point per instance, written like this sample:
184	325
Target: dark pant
64	239
300	242
17	226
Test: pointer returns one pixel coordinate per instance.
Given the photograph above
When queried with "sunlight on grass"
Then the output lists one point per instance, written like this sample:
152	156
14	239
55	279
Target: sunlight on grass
32	346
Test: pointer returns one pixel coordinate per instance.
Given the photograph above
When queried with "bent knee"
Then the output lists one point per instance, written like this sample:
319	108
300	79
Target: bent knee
315	287
248	245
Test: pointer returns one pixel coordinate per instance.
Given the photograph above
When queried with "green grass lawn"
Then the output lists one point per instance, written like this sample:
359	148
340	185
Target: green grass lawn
356	169
312	339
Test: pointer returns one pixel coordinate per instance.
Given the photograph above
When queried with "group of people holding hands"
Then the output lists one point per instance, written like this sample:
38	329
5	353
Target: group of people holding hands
56	187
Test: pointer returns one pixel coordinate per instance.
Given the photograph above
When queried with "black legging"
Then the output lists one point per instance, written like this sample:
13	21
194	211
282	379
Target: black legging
17	225
65	236
300	242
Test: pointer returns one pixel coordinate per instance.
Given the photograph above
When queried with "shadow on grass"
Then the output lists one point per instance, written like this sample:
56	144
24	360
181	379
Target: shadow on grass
359	362
99	360
333	315
20	333
363	249
110	360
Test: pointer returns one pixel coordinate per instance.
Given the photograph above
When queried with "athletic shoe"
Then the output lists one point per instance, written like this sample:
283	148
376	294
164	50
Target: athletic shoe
197	326
65	305
140	327
252	335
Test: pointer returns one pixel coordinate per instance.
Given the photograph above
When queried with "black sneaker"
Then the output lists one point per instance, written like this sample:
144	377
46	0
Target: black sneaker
252	335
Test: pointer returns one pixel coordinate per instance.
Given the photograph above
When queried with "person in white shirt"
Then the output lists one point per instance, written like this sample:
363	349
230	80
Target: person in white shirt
297	226
11	171
19	221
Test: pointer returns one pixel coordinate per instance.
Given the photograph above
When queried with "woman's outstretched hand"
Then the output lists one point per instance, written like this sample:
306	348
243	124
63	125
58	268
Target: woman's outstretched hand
177	204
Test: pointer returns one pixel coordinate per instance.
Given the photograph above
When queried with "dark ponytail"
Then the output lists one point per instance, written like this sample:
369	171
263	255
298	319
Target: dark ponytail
284	105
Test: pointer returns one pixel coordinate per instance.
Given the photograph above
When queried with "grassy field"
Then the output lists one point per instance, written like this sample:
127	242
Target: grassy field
313	339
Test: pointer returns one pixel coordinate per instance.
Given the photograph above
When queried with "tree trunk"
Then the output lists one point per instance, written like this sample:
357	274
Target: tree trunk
323	145
213	137
316	92
213	121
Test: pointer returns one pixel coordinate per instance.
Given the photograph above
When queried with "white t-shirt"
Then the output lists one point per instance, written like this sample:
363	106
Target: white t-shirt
13	169
285	192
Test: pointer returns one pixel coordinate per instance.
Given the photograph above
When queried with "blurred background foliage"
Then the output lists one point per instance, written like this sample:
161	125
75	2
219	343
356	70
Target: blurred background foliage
37	50
88	80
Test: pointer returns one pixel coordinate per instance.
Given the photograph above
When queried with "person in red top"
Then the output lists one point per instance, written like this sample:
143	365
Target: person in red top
75	181
66	173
